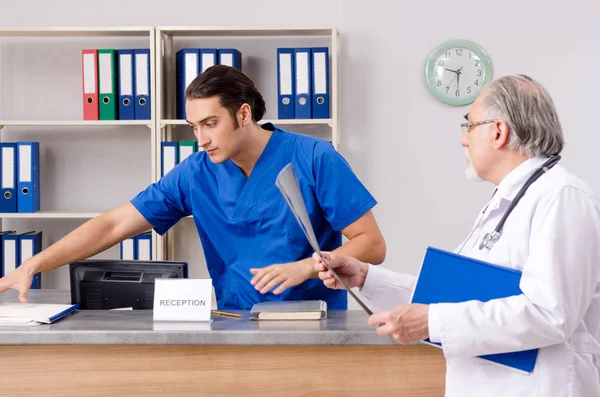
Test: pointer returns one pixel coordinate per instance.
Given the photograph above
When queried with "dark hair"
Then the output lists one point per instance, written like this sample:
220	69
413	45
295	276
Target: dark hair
231	86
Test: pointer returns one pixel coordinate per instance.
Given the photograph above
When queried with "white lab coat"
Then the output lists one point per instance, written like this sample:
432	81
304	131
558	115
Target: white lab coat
553	237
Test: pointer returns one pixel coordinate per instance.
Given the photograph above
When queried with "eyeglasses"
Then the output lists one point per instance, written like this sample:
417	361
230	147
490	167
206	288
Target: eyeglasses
465	127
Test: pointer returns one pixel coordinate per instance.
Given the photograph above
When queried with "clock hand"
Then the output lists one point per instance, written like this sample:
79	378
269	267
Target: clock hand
450	70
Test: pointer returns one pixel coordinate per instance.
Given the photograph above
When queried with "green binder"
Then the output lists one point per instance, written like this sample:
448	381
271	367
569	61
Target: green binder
187	148
107	83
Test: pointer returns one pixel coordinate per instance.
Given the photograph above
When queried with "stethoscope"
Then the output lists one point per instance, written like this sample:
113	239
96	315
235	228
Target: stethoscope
489	239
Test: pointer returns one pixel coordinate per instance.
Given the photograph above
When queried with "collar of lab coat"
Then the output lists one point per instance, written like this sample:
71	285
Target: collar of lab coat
512	183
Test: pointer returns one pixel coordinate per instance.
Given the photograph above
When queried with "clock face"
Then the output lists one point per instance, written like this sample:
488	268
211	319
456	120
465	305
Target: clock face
456	73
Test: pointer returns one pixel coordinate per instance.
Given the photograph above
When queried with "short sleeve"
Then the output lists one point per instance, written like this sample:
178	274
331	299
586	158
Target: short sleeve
165	202
340	193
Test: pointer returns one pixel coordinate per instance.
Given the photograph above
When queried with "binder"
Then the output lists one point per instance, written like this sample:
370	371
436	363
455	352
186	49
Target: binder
2	234
286	82
446	277
107	83
142	83
8	156
320	86
188	68
144	246
126	84
90	84
230	57
128	249
30	243
169	157
10	252
187	148
28	181
208	58
303	83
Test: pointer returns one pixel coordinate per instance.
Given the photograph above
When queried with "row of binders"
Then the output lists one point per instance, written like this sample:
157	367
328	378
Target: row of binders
191	62
116	84
16	249
173	153
303	83
137	247
20	177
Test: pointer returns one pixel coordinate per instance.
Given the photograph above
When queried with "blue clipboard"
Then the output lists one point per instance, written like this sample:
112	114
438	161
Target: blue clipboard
446	277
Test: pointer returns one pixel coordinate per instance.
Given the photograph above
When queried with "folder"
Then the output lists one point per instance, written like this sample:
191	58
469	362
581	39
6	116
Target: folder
2	234
303	79
187	148
127	249
30	244
8	156
286	82
208	58
320	86
188	68
142	83
10	252
25	313
28	181
126	84
144	246
289	310
169	157
446	277
107	83
230	57
90	84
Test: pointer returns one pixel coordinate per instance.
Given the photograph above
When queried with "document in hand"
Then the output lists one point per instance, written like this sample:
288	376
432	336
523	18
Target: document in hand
33	313
288	185
446	277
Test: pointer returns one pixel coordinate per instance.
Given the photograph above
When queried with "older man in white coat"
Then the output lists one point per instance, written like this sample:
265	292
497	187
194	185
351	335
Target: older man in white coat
552	235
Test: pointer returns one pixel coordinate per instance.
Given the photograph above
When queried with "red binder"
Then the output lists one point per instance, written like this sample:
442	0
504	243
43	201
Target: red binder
89	65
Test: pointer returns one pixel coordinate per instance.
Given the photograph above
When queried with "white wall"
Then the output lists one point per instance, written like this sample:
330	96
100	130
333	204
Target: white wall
401	142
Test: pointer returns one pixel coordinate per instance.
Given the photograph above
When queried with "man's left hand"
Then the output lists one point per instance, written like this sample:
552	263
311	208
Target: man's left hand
407	323
284	275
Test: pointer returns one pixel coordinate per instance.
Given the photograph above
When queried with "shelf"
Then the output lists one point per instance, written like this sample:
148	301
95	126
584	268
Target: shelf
108	31
165	122
229	31
75	123
50	215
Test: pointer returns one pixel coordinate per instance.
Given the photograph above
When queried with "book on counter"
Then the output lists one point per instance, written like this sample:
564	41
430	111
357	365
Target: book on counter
33	313
289	310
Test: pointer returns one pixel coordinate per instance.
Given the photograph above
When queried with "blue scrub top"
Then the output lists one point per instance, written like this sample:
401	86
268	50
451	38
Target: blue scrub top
245	223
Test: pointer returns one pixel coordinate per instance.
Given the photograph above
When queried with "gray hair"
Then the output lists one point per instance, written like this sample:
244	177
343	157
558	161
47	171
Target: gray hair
526	106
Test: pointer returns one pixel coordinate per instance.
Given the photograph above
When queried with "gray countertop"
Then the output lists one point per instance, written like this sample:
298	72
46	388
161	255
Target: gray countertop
127	327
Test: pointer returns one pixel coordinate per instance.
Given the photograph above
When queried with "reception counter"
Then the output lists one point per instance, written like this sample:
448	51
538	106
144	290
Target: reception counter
125	353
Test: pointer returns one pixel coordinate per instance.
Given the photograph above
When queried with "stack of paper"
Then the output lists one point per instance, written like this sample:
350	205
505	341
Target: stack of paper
27	314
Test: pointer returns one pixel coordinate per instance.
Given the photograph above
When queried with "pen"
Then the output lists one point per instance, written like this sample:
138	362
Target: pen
227	314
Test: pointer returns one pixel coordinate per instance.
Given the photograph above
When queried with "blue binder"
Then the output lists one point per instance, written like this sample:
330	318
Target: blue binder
303	60
209	57
126	62
169	156
143	247
286	83
230	57
128	249
446	277
143	97
2	234
320	83
8	177
188	66
30	244
28	180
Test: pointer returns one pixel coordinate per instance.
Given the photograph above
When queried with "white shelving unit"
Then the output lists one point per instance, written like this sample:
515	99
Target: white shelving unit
39	119
259	60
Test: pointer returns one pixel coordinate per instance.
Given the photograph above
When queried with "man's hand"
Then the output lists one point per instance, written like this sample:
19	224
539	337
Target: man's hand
284	275
352	271
406	323
19	279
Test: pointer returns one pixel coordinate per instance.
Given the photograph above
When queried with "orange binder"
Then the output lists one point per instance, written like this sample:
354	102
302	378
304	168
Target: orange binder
89	61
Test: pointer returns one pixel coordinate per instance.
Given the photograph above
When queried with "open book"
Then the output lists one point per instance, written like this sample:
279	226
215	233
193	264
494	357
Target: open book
33	313
288	186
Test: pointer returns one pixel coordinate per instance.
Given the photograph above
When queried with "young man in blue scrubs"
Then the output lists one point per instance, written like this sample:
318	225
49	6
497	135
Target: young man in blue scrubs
255	251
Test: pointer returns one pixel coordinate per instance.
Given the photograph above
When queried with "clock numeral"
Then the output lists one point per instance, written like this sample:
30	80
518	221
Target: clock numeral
479	73
447	54
441	63
470	55
468	90
447	88
476	82
436	73
457	93
439	83
459	51
477	63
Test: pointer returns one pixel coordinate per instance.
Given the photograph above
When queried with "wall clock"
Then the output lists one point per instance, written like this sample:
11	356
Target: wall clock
456	71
